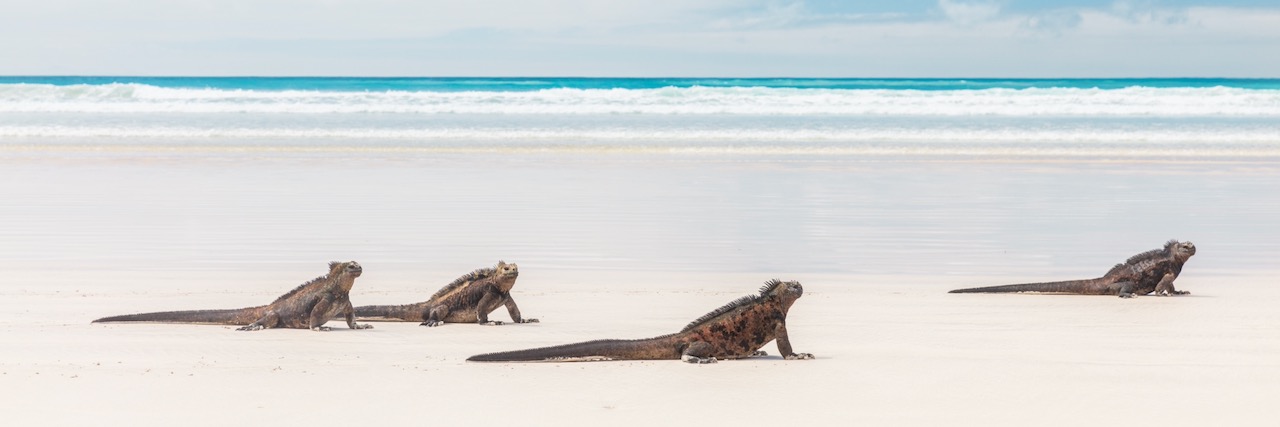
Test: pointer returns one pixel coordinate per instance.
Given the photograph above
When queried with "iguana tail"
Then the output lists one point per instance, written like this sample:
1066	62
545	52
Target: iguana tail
1065	287
239	316
646	349
386	312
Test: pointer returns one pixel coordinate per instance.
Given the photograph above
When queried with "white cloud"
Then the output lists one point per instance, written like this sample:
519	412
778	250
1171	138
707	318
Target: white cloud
774	15
1147	12
793	14
968	13
1053	22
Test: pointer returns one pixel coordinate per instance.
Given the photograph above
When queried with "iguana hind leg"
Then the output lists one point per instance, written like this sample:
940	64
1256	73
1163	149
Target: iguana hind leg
1126	289
757	353
698	352
435	316
267	321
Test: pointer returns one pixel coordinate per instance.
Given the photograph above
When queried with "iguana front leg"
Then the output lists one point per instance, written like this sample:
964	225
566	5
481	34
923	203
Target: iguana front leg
319	315
515	312
784	344
1165	287
698	352
350	313
489	302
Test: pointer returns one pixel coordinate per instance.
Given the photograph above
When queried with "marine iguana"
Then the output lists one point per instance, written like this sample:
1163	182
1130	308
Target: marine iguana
1141	274
307	306
734	331
469	299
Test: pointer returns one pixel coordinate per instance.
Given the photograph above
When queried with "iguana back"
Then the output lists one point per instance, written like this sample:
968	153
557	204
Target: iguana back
468	299
307	306
1141	274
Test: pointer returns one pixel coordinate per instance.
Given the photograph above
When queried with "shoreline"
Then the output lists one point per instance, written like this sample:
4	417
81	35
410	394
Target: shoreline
862	151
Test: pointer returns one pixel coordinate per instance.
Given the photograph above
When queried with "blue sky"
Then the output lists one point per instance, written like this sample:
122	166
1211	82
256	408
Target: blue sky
905	38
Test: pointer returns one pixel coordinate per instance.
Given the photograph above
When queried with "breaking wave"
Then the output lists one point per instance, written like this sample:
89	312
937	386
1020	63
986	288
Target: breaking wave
695	100
671	136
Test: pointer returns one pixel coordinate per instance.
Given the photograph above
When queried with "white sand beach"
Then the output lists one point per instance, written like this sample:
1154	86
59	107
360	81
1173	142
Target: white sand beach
614	247
890	351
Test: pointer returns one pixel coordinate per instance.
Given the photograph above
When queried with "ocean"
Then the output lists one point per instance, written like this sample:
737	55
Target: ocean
1166	118
1027	179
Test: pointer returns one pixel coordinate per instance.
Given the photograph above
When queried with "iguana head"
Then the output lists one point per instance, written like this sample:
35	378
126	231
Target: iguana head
349	268
504	270
788	292
1181	250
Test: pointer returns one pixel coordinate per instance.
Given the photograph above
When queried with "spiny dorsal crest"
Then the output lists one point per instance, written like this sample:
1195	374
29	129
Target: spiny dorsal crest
333	270
765	291
1118	268
479	274
1154	253
770	286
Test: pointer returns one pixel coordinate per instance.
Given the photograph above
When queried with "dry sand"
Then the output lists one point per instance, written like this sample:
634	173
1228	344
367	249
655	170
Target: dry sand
894	350
615	247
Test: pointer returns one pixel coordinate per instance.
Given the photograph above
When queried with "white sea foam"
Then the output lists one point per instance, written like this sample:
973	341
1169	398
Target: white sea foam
1202	143
1127	102
1207	135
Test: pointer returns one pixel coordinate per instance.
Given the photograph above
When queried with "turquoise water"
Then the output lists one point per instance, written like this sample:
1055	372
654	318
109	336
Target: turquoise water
1164	118
453	84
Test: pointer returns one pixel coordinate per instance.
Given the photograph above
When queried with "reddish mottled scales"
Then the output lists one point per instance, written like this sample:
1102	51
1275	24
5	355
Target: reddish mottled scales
737	330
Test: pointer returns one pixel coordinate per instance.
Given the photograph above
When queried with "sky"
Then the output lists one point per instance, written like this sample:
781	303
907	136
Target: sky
643	38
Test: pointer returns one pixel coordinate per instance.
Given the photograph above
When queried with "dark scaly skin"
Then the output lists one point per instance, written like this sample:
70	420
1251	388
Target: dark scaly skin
1144	273
469	299
308	306
737	330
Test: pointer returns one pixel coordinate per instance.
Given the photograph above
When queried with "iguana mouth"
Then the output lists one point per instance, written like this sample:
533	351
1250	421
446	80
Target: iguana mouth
355	270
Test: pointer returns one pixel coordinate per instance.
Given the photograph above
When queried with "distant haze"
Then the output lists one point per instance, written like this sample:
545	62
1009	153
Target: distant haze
909	38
